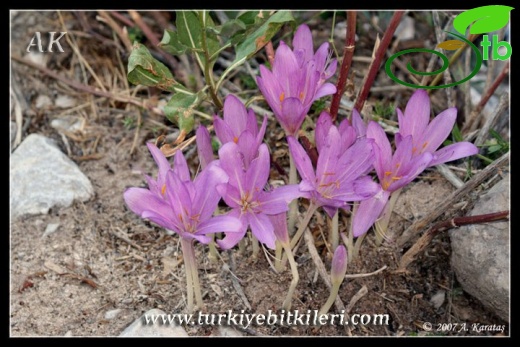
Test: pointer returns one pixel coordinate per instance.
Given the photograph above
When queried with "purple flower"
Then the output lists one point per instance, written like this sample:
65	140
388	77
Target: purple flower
240	126
204	148
176	203
338	268
428	136
394	172
342	162
297	80
245	194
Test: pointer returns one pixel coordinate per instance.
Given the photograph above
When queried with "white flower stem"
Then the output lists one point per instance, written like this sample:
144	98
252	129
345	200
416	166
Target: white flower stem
381	225
296	277
330	301
334	232
301	229
278	256
256	246
303	225
187	252
293	206
213	253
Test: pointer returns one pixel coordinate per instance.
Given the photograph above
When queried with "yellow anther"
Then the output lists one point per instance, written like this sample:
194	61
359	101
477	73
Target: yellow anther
163	189
282	96
235	139
388	173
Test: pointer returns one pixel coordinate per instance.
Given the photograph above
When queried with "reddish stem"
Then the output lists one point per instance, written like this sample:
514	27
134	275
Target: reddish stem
270	53
426	238
471	124
348	54
380	53
122	18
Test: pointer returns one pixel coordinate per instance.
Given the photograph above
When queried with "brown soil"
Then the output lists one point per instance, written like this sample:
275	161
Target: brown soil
65	282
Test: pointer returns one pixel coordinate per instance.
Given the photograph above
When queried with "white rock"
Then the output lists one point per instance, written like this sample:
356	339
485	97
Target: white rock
139	327
68	333
67	123
480	252
112	314
37	57
438	299
406	29
51	227
228	331
64	101
42	101
43	177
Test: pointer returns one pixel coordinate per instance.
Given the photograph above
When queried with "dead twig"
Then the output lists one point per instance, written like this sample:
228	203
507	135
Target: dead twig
374	66
456	196
490	121
117	232
367	274
428	236
117	29
87	88
309	240
348	53
474	118
361	293
236	284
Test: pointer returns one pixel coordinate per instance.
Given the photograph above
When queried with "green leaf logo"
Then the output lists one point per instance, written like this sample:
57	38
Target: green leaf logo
482	19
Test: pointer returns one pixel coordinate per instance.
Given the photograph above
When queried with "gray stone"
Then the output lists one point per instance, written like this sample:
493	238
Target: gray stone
43	177
13	133
139	327
480	252
42	101
112	314
51	228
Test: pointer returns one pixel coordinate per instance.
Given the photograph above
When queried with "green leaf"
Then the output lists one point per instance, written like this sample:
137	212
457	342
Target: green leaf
179	109
457	135
230	28
171	44
482	19
189	33
146	70
261	35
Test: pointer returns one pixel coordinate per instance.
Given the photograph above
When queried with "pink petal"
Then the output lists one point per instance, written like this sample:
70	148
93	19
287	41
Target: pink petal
258	172
222	130
368	212
358	124
235	114
206	195
325	89
293	115
382	148
328	159
262	229
301	160
277	200
222	223
279	222
231	162
453	152
303	41
323	125
416	114
438	130
161	161
204	148
231	239
180	167
414	169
